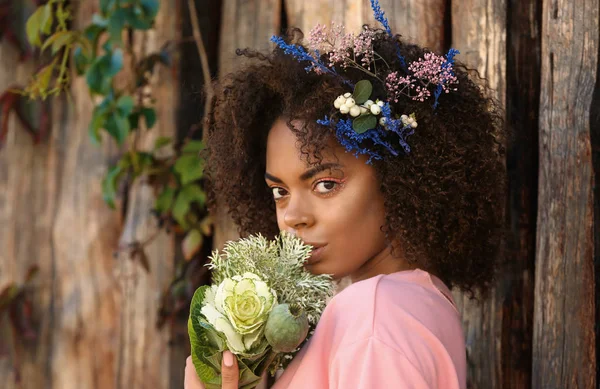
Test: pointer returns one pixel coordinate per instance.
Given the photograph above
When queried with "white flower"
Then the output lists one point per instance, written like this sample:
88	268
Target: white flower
344	108
355	110
350	102
239	308
375	109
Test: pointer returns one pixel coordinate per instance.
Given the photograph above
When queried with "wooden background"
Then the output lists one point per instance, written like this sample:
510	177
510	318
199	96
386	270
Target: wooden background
96	313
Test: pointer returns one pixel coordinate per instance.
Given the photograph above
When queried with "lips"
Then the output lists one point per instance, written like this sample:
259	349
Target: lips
316	254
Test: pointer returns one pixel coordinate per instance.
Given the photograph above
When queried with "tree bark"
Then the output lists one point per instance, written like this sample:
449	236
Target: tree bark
563	336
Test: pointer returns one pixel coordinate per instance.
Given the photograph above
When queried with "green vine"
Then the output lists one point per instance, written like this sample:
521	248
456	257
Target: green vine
99	52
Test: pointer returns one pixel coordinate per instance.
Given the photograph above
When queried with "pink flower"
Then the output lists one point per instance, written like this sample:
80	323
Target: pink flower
363	46
334	42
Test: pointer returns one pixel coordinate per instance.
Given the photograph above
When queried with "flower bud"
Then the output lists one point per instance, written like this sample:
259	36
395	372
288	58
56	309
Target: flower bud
355	110
286	328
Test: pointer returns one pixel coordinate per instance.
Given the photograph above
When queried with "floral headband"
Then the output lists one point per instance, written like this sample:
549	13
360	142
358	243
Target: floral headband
359	121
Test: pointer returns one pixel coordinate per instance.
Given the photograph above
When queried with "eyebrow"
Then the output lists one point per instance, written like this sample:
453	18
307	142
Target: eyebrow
310	173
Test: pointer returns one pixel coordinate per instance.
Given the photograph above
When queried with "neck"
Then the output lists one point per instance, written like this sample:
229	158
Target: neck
382	263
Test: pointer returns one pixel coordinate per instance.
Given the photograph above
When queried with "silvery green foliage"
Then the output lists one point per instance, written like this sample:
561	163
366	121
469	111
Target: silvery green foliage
281	264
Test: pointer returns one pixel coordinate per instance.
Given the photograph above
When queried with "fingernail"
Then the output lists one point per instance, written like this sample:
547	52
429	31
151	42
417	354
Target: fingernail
228	358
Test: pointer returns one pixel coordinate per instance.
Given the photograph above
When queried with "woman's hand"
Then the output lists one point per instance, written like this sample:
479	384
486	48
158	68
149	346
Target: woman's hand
229	373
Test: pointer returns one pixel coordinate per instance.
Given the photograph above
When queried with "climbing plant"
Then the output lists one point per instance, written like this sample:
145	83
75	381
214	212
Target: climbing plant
102	53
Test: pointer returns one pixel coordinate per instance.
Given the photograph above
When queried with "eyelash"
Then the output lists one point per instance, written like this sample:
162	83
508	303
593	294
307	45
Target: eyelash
339	185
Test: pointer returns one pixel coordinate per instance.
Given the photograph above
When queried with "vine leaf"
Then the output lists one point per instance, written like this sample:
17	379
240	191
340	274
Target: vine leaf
190	167
191	244
32	27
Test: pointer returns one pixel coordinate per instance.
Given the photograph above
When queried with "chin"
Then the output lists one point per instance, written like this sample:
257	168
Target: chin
322	268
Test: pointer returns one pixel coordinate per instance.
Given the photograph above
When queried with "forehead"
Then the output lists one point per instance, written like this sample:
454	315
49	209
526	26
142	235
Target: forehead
283	152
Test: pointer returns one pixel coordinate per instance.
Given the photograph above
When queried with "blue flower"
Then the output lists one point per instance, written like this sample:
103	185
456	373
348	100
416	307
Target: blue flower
380	16
300	54
447	64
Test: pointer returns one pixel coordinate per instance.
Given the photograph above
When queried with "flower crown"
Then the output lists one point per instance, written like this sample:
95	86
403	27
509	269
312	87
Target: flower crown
361	123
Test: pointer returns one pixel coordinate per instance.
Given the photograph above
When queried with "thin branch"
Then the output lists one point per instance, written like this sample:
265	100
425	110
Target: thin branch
204	61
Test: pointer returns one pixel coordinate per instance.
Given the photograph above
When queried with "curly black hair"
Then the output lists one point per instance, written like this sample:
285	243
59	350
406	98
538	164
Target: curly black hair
444	201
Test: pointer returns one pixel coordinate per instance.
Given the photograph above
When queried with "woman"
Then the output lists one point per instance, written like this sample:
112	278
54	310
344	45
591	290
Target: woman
407	209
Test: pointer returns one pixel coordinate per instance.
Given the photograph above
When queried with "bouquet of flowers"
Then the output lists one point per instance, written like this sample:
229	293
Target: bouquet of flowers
263	304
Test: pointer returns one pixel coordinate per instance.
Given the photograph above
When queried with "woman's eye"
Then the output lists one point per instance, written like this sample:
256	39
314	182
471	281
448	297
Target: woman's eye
325	187
278	193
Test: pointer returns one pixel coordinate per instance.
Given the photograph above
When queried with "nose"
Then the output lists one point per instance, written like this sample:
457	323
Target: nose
298	214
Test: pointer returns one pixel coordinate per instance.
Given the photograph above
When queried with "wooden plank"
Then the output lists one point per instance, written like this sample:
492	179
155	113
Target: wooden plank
563	337
245	23
96	314
144	358
29	183
522	112
479	32
420	22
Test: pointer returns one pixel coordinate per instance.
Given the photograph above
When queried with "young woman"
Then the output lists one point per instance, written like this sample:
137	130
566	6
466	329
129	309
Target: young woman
407	208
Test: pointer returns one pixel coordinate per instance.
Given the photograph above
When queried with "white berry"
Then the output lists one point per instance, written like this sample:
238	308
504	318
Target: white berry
382	121
355	110
344	108
337	103
413	124
410	120
363	110
375	109
350	102
380	103
369	103
348	94
403	117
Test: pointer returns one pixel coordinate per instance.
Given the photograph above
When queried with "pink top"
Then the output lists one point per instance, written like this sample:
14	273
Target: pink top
400	330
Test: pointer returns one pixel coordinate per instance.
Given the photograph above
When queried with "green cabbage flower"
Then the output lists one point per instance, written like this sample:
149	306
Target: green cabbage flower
239	308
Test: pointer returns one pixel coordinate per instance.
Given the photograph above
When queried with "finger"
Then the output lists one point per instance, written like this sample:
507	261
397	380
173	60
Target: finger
229	371
191	380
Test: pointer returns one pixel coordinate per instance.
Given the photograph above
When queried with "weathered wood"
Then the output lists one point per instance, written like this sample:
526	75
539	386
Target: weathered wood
245	23
29	188
563	337
522	113
96	313
420	22
143	349
479	32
